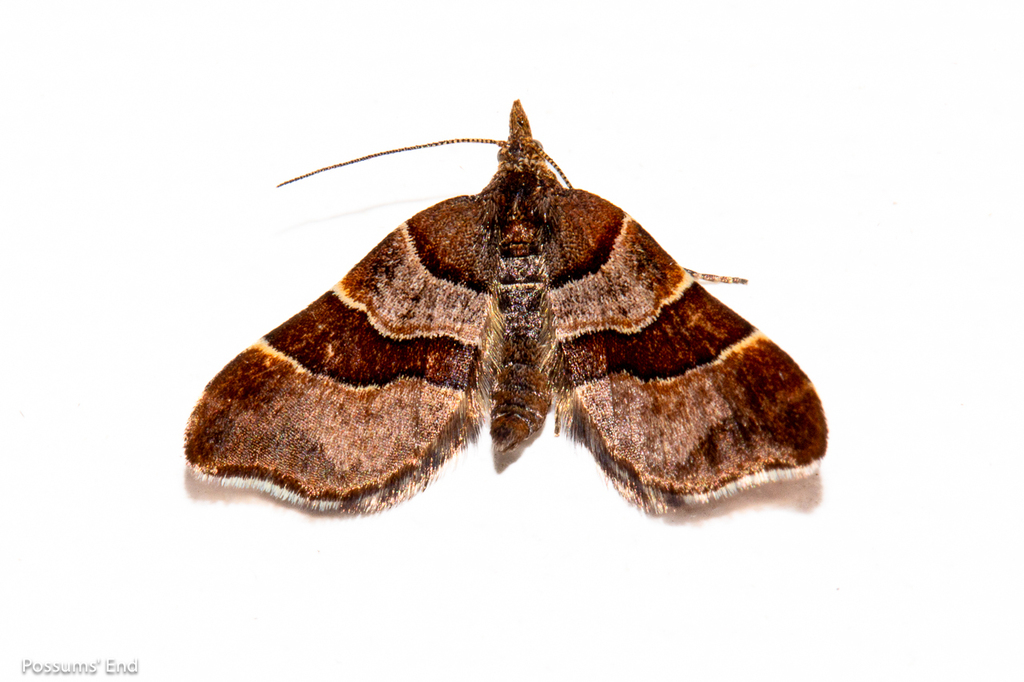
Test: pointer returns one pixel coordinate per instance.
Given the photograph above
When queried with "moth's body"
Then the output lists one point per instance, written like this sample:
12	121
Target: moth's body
522	388
502	303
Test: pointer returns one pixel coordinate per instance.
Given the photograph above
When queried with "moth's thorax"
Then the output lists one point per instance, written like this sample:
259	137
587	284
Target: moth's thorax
521	231
519	217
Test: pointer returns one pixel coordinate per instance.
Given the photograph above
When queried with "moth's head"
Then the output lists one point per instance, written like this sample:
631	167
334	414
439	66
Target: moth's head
522	152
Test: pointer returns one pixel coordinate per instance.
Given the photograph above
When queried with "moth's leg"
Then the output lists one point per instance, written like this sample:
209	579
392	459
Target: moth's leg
715	278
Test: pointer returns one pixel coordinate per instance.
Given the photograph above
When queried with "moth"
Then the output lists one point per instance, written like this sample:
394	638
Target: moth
528	295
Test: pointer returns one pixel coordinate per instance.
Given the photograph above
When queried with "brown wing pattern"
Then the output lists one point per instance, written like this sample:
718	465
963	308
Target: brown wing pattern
678	397
356	402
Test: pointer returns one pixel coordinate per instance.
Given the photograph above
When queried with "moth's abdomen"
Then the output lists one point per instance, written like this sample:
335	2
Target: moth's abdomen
521	400
521	393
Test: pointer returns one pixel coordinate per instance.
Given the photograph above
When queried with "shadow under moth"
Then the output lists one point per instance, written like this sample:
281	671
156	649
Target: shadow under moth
528	294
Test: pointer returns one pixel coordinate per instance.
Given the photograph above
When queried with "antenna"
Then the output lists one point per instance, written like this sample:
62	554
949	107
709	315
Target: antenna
395	151
478	140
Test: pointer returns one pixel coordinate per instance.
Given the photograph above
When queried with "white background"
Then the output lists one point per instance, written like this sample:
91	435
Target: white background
862	163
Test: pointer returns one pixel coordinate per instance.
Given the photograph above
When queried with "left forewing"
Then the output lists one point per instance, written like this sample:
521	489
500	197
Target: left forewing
357	401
